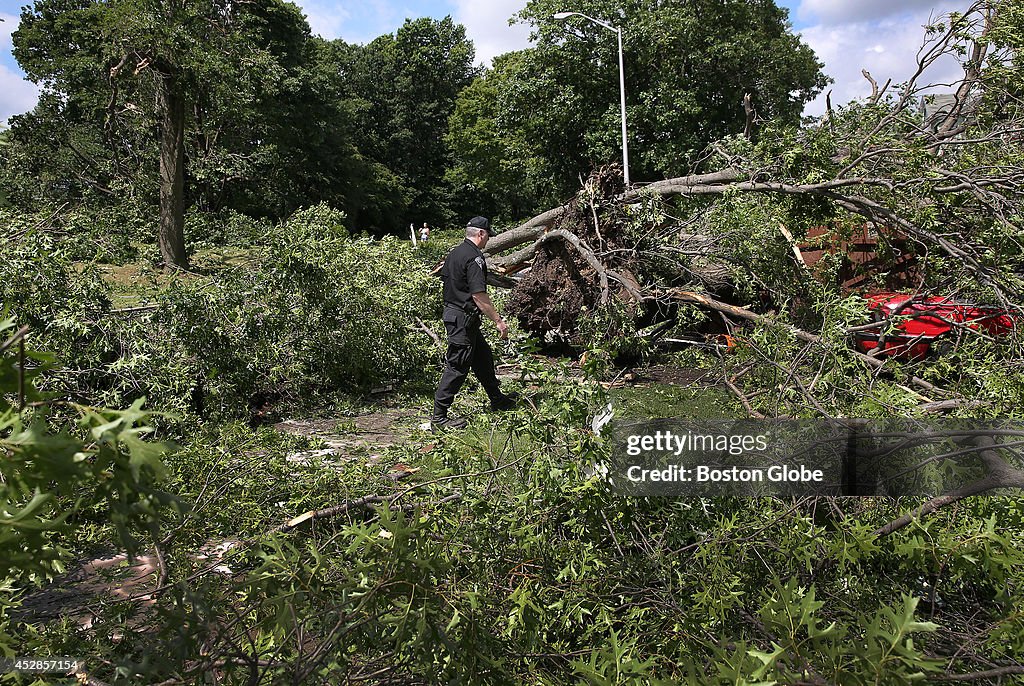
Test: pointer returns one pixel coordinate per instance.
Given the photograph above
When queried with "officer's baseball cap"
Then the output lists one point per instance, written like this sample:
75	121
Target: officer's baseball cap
481	223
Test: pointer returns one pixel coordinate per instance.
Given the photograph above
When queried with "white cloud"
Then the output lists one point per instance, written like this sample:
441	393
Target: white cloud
487	26
325	18
8	24
376	18
832	12
886	46
358	23
17	95
882	36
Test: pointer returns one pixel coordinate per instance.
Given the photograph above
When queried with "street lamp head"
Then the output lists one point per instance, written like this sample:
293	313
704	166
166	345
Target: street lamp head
566	15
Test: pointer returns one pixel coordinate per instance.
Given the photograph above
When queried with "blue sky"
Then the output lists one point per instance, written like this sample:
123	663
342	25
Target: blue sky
880	35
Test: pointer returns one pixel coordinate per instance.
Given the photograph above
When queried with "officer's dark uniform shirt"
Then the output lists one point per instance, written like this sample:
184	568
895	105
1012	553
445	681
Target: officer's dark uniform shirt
464	273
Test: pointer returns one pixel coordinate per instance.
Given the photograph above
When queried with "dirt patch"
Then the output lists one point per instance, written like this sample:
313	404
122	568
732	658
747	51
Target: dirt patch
80	594
365	436
136	282
131	284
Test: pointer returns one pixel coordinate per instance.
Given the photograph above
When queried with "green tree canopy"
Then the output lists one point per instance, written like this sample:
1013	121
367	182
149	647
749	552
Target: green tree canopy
218	104
493	171
211	103
688	66
405	87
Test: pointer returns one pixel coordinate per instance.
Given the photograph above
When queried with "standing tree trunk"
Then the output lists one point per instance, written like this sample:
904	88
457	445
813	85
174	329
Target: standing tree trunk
171	235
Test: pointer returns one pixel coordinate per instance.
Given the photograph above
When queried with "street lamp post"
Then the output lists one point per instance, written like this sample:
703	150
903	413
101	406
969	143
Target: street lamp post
622	85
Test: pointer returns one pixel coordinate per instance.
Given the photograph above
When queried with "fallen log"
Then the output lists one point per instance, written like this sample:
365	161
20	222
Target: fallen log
528	231
532	229
999	474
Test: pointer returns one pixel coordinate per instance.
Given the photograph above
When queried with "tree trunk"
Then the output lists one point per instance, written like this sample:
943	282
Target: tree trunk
171	234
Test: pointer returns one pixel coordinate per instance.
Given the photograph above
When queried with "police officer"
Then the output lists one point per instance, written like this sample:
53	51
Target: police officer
465	299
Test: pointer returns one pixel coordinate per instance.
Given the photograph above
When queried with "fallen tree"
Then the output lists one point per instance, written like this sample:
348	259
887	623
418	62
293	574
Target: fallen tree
940	178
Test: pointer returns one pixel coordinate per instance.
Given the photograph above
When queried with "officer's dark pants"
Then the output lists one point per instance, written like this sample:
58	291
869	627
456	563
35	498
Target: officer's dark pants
467	349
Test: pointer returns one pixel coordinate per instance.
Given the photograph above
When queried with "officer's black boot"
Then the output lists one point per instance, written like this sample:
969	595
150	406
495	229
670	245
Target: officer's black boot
441	421
445	423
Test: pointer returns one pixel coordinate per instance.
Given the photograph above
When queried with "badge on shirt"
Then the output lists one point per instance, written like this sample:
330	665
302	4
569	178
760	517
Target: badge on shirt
479	262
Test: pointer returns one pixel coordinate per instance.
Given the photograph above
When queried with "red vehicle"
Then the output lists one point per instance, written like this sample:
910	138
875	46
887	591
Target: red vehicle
923	320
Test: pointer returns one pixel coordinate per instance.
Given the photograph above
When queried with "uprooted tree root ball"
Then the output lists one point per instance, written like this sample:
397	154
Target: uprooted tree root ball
569	277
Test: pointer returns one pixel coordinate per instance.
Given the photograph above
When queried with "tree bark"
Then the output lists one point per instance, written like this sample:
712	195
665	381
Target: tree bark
171	233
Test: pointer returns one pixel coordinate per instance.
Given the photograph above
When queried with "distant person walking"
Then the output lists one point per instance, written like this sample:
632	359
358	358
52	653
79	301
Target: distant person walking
465	299
424	233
